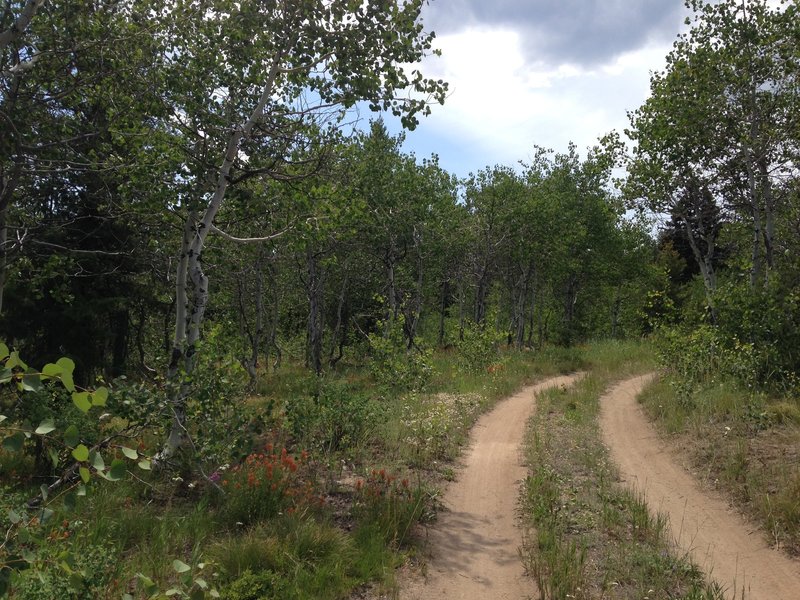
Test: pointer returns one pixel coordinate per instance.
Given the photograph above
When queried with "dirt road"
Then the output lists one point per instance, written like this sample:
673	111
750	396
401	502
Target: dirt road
720	541
474	543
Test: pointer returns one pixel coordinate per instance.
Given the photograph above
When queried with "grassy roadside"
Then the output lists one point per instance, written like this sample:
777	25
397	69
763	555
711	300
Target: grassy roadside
743	443
590	537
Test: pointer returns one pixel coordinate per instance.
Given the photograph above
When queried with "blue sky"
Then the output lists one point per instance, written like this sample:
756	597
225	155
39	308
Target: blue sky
544	72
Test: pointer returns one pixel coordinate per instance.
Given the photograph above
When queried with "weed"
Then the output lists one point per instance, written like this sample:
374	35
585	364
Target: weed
389	504
265	484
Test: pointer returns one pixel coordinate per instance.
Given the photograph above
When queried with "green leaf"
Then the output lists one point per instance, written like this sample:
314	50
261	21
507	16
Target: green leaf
80	490
46	514
76	581
6	375
3	418
45	427
44	491
129	452
180	567
81	400
97	461
67	382
197	594
69	501
117	471
66	364
53	456
81	453
52	370
144	465
85	474
148	584
71	437
15	361
100	396
13	443
14	517
172	592
31	381
4	352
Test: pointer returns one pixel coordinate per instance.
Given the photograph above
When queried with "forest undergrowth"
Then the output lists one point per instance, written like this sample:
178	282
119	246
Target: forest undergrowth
320	495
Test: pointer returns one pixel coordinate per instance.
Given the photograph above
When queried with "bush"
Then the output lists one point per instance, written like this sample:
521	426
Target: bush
265	585
393	364
338	417
478	348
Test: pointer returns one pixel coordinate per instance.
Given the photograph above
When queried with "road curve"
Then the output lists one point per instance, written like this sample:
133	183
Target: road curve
718	538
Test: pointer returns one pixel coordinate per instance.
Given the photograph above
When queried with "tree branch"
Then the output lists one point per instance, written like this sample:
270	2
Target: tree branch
252	240
21	23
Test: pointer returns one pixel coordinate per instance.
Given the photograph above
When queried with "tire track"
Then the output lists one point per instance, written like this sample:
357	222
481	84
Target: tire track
718	539
474	543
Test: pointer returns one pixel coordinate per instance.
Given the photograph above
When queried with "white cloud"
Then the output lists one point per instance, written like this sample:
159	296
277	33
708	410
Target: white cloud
502	105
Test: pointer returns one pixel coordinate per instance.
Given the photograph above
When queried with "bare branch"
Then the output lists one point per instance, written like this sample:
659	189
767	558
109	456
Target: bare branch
78	251
253	240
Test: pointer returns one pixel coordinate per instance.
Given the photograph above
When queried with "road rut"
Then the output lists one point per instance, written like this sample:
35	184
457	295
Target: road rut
474	544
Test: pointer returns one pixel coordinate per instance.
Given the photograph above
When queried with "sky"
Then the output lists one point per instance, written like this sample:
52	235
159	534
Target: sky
537	72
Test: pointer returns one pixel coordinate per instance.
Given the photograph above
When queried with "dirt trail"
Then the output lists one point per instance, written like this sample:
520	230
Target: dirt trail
720	541
474	543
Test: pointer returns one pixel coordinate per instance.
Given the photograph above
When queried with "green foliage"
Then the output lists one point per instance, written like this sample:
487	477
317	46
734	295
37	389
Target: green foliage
75	454
337	417
395	365
216	407
479	347
191	583
92	569
754	341
264	585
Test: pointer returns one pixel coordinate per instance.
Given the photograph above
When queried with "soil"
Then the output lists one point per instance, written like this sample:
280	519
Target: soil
474	544
719	540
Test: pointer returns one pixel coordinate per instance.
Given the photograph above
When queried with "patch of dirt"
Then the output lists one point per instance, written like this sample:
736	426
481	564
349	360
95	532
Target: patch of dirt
473	547
728	548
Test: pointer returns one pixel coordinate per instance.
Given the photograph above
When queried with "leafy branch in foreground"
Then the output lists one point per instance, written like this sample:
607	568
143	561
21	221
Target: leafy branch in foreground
77	455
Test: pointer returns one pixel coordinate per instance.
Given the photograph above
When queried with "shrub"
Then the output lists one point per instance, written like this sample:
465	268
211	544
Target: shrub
478	347
264	585
337	418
